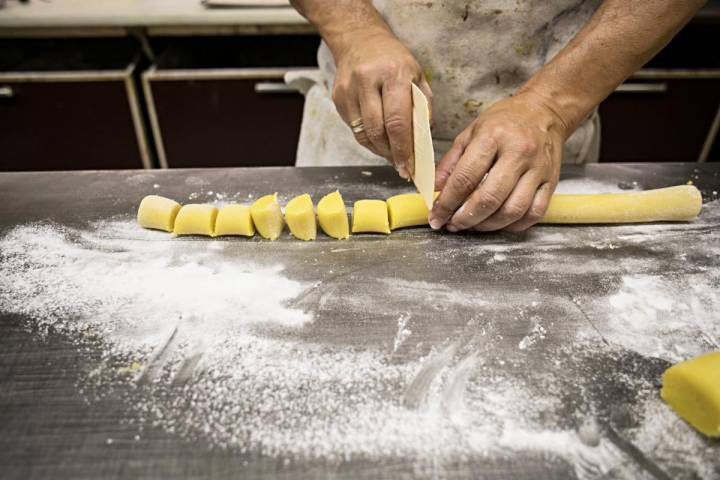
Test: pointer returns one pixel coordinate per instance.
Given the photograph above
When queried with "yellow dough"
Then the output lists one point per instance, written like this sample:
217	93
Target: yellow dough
681	203
158	213
196	219
267	216
692	389
370	216
233	219
407	210
332	216
300	217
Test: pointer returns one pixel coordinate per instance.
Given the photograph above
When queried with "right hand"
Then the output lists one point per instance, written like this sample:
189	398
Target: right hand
372	83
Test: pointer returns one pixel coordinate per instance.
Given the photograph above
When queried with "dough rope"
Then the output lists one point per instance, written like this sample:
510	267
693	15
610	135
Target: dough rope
672	204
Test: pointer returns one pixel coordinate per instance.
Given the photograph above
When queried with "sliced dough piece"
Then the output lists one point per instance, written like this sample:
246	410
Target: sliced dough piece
300	217
234	219
692	389
407	210
194	219
332	216
676	204
158	212
267	216
423	152
370	216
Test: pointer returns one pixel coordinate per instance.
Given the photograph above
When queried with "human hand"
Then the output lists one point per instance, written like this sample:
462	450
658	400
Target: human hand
502	169
372	85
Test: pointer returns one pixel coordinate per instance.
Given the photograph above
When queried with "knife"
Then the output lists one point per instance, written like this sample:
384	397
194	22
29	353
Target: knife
423	153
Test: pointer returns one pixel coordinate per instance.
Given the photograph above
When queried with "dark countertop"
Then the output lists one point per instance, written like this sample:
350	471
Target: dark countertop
473	355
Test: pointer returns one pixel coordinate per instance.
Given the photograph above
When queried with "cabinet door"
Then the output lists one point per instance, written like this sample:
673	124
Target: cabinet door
78	120
661	116
223	118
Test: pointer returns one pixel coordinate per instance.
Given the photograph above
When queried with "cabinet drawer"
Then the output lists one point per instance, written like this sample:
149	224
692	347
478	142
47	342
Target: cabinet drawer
70	120
662	116
223	118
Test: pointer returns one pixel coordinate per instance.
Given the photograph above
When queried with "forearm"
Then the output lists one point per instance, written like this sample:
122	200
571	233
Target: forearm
339	21
618	39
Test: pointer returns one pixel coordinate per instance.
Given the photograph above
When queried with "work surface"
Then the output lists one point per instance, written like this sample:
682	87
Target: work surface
127	353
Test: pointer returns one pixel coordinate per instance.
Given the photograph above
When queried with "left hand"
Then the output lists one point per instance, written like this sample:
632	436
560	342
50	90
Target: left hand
518	143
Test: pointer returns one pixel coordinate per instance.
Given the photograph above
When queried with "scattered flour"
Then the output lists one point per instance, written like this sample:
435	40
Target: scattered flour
220	352
586	185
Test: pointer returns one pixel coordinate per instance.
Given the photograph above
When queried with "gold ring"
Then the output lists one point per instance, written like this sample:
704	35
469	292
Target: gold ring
357	126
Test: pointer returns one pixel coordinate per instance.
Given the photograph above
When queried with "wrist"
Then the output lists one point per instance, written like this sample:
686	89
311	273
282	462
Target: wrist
568	109
341	38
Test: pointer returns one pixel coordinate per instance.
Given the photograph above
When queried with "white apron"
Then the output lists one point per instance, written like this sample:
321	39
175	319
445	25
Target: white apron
473	54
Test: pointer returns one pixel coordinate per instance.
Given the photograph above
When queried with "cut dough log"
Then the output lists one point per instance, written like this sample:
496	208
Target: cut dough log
332	216
300	217
692	389
267	216
158	212
407	210
370	216
233	219
196	219
681	203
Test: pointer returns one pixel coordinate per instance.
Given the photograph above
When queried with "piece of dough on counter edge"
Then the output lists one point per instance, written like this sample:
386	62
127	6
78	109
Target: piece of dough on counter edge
267	216
675	204
692	389
408	210
300	217
158	213
234	219
332	216
370	216
196	219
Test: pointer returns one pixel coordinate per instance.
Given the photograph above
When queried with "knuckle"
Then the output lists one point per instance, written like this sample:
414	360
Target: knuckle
391	68
396	125
463	180
488	200
364	72
512	211
528	147
535	214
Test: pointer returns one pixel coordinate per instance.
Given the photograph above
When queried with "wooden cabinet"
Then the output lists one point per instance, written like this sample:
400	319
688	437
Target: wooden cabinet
223	118
222	102
60	111
663	116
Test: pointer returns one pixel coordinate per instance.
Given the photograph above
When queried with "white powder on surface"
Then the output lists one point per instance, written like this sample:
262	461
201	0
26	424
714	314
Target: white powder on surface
202	327
587	185
670	318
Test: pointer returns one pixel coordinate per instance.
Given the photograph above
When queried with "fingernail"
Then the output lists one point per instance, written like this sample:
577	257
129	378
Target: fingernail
452	228
435	223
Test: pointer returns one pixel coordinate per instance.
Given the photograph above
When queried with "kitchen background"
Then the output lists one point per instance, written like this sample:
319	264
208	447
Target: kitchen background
179	83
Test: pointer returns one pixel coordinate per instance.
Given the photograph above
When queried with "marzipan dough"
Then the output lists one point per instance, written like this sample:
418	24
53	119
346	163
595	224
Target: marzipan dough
681	203
193	219
267	216
692	389
370	216
234	219
407	210
300	217
332	216
158	212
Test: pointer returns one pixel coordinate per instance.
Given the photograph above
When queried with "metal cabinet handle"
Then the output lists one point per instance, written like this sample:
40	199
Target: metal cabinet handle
6	91
642	88
273	87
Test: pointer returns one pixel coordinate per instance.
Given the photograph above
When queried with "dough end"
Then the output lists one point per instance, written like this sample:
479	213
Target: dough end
692	389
